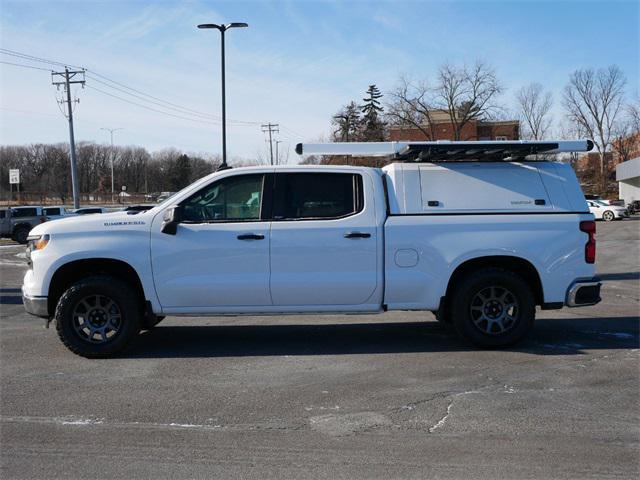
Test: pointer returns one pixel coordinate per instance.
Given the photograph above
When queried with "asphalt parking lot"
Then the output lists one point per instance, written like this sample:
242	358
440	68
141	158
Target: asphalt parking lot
389	396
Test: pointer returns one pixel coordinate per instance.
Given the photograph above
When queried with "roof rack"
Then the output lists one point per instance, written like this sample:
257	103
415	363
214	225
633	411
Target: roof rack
443	150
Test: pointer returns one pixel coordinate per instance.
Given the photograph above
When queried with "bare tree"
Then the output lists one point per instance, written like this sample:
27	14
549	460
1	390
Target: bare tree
593	99
626	142
412	105
535	106
347	123
467	93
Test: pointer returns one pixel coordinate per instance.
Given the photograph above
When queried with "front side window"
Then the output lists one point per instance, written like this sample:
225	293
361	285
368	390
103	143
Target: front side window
306	196
3	213
52	211
25	212
230	199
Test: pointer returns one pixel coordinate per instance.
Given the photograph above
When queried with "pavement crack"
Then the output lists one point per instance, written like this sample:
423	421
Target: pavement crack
443	420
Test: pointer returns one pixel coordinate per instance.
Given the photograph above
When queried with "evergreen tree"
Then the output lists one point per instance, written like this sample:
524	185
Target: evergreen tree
373	126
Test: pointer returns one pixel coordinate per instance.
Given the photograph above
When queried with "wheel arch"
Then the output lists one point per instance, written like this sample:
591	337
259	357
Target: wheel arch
69	273
517	265
23	225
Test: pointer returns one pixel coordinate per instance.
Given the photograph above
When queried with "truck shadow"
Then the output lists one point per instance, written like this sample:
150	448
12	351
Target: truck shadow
549	337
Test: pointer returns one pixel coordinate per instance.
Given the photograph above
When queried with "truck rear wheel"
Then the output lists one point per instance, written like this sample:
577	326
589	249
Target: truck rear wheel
493	308
97	317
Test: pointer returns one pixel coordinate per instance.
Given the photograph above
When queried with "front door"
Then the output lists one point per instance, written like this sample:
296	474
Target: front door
323	241
219	256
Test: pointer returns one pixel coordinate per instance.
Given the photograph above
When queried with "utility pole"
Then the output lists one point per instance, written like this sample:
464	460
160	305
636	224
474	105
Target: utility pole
67	81
277	156
271	128
111	130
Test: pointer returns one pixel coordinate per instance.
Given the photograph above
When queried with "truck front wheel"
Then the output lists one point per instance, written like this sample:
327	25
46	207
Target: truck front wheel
97	317
493	308
20	235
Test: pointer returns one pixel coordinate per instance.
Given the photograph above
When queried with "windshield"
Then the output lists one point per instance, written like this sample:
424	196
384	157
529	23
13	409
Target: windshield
172	197
600	202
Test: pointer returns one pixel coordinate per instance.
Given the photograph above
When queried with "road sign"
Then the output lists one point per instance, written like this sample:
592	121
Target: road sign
14	176
124	188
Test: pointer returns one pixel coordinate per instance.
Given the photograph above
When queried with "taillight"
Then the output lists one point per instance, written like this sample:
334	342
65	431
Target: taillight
589	227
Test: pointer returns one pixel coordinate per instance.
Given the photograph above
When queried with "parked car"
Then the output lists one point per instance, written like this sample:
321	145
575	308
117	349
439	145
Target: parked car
55	213
606	212
478	243
164	195
16	222
89	210
137	208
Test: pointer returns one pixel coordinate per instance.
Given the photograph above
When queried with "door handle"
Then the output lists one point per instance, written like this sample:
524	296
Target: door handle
357	235
250	236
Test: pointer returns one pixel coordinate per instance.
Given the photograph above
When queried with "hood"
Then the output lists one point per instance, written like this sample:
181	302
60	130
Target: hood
97	222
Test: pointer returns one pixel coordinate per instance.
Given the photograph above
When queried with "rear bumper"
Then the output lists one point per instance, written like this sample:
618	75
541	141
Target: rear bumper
37	306
583	293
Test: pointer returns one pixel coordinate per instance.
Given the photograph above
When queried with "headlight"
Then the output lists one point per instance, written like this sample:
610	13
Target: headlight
37	242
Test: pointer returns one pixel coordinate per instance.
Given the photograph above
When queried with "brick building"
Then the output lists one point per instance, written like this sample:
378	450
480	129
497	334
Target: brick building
587	166
441	128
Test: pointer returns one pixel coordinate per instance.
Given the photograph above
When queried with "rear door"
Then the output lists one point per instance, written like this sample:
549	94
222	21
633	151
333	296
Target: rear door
323	240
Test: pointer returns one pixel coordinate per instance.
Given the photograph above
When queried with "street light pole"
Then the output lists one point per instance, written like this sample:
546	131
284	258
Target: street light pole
111	130
223	28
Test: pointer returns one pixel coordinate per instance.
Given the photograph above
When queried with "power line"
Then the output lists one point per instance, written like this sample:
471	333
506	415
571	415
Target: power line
151	108
174	105
32	58
156	100
166	105
25	66
185	112
291	132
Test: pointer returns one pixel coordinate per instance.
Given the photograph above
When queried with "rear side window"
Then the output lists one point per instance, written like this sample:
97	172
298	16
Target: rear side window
231	199
52	211
25	212
306	196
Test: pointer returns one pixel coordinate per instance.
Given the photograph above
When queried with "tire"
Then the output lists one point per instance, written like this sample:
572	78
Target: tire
151	321
608	215
493	308
20	234
97	317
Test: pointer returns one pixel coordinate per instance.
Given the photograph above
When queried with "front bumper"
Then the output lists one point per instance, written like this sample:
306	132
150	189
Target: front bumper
584	292
38	306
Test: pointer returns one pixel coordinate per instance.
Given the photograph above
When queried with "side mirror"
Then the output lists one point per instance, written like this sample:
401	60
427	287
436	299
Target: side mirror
172	217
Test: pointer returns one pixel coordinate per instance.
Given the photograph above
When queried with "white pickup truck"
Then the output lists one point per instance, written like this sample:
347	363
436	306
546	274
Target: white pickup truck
479	242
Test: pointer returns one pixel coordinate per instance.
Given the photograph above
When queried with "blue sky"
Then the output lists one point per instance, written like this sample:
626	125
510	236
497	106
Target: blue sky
296	64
